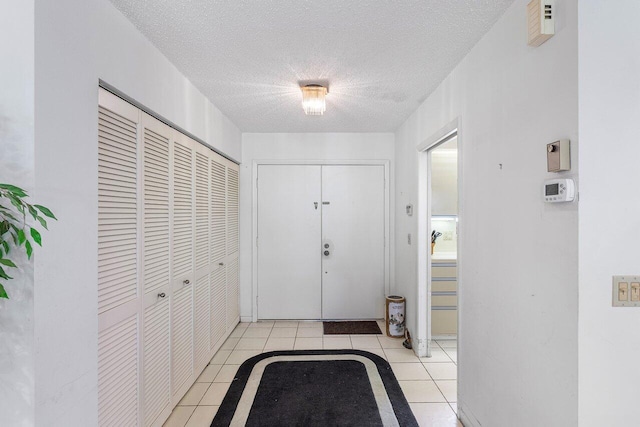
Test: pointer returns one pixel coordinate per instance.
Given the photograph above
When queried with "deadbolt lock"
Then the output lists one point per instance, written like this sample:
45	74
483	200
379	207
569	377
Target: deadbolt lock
326	246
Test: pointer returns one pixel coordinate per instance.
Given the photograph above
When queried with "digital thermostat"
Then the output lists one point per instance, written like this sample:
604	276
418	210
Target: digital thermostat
559	190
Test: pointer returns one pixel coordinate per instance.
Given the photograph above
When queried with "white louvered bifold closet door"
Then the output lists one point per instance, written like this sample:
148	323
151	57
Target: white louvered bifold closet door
233	285
156	261
218	249
202	333
167	263
183	262
117	262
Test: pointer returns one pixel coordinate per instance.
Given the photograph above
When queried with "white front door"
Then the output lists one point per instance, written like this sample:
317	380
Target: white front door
353	227
302	209
289	265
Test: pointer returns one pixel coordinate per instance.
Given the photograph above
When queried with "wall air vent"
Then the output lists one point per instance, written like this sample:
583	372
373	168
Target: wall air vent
540	21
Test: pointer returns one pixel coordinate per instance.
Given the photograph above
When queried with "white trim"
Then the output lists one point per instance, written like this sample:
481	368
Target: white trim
254	220
447	132
423	321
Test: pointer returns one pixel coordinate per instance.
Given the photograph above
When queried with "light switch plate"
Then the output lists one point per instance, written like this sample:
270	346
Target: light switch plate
626	291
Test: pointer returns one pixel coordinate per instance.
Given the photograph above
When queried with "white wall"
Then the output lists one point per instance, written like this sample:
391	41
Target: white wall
78	42
16	167
298	146
609	205
444	179
519	262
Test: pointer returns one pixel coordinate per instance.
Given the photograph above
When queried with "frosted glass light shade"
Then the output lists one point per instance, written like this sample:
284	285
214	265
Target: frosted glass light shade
313	102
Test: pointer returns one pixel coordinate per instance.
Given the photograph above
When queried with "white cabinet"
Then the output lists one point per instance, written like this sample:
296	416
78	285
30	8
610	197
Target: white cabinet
167	262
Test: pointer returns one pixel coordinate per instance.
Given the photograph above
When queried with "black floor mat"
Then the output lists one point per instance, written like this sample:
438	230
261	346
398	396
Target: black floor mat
315	388
351	328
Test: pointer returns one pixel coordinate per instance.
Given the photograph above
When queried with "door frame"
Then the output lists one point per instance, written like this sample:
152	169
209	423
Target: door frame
423	285
254	214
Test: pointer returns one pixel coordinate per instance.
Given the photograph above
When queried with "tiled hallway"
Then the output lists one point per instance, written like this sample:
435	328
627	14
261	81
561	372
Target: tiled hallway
429	384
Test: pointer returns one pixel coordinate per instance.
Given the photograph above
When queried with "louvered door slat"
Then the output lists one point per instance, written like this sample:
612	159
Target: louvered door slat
117	199
202	334
202	211
218	211
156	361
232	211
118	374
218	294
182	211
181	336
156	211
233	310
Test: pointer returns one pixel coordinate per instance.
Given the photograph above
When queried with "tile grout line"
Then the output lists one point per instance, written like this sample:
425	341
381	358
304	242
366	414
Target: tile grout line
379	338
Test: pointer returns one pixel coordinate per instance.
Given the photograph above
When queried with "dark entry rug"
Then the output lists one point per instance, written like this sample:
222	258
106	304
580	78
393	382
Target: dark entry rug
351	328
315	388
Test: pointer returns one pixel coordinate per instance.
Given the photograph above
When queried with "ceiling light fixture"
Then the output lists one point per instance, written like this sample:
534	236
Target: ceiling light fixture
313	102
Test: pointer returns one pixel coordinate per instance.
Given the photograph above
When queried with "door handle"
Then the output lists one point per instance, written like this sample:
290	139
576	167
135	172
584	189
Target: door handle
186	282
161	295
326	253
315	204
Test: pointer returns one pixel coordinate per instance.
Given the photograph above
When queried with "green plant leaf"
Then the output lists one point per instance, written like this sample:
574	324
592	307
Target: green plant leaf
6	247
7	262
28	248
45	211
32	211
42	222
3	293
17	203
16	190
21	236
4	275
35	234
7	213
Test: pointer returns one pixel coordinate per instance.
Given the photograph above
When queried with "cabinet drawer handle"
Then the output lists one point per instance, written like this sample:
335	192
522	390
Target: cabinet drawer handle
161	295
221	263
186	282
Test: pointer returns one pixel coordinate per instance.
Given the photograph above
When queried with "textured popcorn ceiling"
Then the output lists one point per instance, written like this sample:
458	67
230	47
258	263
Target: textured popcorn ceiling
381	58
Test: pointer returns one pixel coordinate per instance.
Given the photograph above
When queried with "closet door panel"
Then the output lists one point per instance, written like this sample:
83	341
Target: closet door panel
156	261
118	374
203	206
218	289
232	209
182	307
156	360
181	337
218	209
233	293
202	323
233	290
118	333
156	173
202	257
183	210
117	210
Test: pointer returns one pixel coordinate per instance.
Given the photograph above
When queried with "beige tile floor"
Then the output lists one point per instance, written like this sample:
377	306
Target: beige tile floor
429	384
